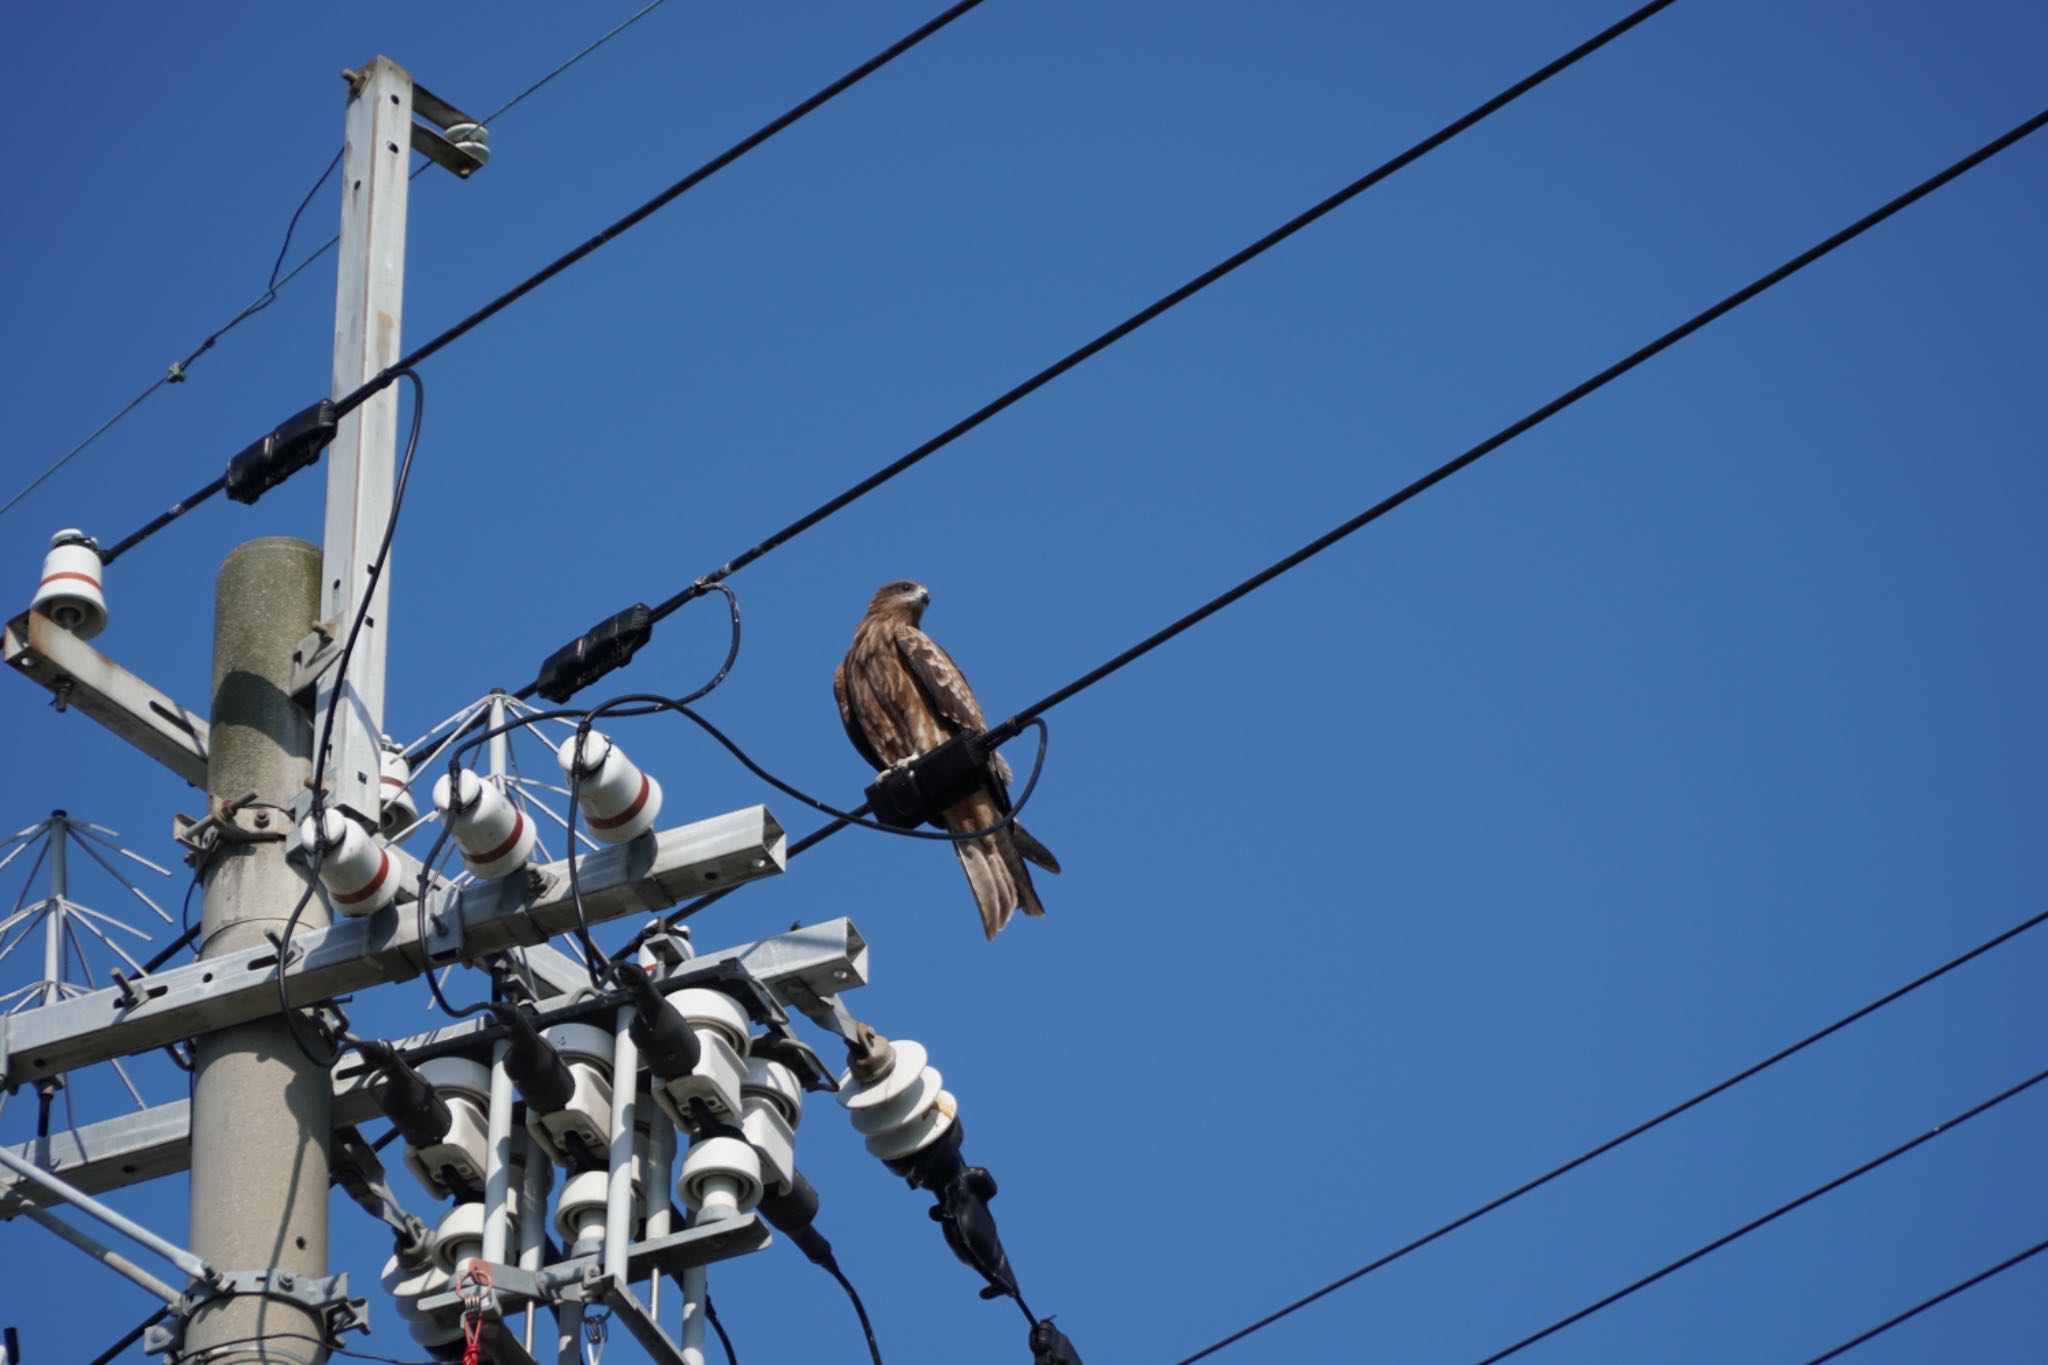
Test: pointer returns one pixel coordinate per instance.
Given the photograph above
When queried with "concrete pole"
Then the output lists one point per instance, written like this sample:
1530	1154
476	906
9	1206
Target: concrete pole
261	1113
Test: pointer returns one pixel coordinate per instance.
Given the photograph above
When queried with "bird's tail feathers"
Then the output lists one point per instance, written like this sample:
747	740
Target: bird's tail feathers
1033	851
994	893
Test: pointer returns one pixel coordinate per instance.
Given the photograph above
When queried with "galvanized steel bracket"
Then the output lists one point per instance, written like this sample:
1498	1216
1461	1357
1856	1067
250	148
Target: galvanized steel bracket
326	1295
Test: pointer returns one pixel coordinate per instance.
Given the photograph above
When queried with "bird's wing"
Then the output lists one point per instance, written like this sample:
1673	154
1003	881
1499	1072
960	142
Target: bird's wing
852	723
939	678
945	688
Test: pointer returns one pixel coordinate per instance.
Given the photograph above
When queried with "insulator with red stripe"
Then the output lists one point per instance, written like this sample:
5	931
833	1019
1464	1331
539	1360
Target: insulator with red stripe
356	869
72	592
617	800
394	783
495	836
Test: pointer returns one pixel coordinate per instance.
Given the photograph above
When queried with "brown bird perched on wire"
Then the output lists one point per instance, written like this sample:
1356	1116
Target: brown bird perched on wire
900	695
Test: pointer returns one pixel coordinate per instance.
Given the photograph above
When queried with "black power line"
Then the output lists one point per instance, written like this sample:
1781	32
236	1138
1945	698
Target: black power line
384	378
1144	315
1009	728
1629	1135
1780	1211
177	372
2007	1264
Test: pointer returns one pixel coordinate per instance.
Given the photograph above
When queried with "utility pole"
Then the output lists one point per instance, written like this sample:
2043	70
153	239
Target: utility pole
368	309
261	1112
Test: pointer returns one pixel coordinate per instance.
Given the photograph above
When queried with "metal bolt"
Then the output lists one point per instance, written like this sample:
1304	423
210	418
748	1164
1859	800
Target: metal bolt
284	1279
262	819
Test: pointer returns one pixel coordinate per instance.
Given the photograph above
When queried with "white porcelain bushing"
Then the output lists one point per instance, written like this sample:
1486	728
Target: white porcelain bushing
406	1287
587	1051
903	1112
618	801
459	1238
72	592
721	1179
720	1023
355	868
579	1214
495	836
465	1087
773	1101
394	787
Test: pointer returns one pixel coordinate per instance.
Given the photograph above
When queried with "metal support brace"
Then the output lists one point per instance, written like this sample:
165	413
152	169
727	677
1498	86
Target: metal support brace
88	681
356	1167
648	875
132	1148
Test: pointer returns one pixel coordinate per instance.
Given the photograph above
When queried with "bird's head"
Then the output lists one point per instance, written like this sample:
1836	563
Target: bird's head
904	596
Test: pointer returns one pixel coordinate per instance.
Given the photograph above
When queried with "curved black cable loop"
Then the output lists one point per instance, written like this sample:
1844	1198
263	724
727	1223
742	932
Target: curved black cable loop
851	818
598	962
316	853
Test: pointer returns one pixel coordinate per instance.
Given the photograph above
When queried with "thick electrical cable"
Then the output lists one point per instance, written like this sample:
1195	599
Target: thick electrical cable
351	401
1154	309
1629	1135
1766	1219
1917	1309
135	1334
339	691
724	1341
177	372
1001	732
860	1310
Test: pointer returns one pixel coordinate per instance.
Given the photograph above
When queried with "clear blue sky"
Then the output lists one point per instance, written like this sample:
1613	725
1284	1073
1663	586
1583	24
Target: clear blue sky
1697	718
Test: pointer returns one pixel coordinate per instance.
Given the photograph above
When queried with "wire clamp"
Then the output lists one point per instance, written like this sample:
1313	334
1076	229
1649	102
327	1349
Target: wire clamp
326	1296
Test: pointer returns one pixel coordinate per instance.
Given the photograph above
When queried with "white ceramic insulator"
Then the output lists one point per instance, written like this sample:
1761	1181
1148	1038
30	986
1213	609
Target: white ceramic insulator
579	1214
618	801
903	1112
72	592
459	1238
587	1051
775	1084
772	1100
721	1179
464	1086
355	868
495	836
394	785
406	1287
720	1023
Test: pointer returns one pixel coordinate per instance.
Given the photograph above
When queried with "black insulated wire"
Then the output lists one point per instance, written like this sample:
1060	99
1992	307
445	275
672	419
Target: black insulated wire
1629	1135
660	201
177	373
1764	1220
377	383
1917	1309
313	854
1161	305
1010	727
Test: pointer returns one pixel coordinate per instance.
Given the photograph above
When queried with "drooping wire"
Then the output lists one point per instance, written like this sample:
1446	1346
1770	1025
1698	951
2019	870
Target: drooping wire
711	1316
177	372
1780	1211
1167	301
1629	1135
860	1309
382	380
1917	1309
1008	728
315	850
